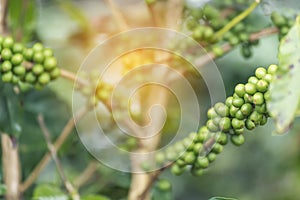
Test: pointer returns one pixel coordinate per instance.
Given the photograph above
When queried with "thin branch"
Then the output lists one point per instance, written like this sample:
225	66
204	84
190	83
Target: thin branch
72	77
237	19
10	166
117	14
68	185
3	13
86	174
58	143
151	182
152	14
174	13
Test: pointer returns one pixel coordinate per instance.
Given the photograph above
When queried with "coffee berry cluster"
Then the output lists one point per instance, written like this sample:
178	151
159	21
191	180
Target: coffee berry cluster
283	23
245	109
24	66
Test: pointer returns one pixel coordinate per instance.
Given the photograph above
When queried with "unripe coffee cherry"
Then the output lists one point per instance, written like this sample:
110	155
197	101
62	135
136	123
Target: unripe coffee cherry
246	109
202	162
6	54
240	90
225	124
250	88
237	124
17	59
6	66
8	42
211	157
238	102
260	72
258	98
262	85
164	185
44	78
238	140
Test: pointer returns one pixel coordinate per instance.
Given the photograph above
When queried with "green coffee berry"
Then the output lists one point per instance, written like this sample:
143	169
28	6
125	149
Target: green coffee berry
15	79
217	148
198	147
19	70
238	131
180	162
37	47
30	77
189	158
44	78
248	98
28	54
272	69
262	109
17	59
197	172
6	54
177	170
229	101
211	157
260	72
202	162
238	102
250	125
225	124
262	85
211	126
221	109
239	115
237	124
38	57
48	52
255	117
211	113
252	80
246	109
7	77
6	66
233	110
238	140
164	185
240	90
223	139
8	42
17	48
37	69
263	120
216	120
50	63
250	88
258	98
55	73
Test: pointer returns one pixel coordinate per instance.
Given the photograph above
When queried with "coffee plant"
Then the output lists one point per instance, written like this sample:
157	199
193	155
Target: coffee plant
114	100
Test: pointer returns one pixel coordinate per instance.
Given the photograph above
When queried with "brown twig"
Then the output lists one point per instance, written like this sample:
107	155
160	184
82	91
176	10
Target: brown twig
174	13
72	77
117	15
10	167
58	143
3	13
86	174
68	185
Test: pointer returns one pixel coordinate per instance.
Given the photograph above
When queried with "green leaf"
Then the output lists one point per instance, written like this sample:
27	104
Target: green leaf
11	111
47	192
221	198
285	93
94	197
